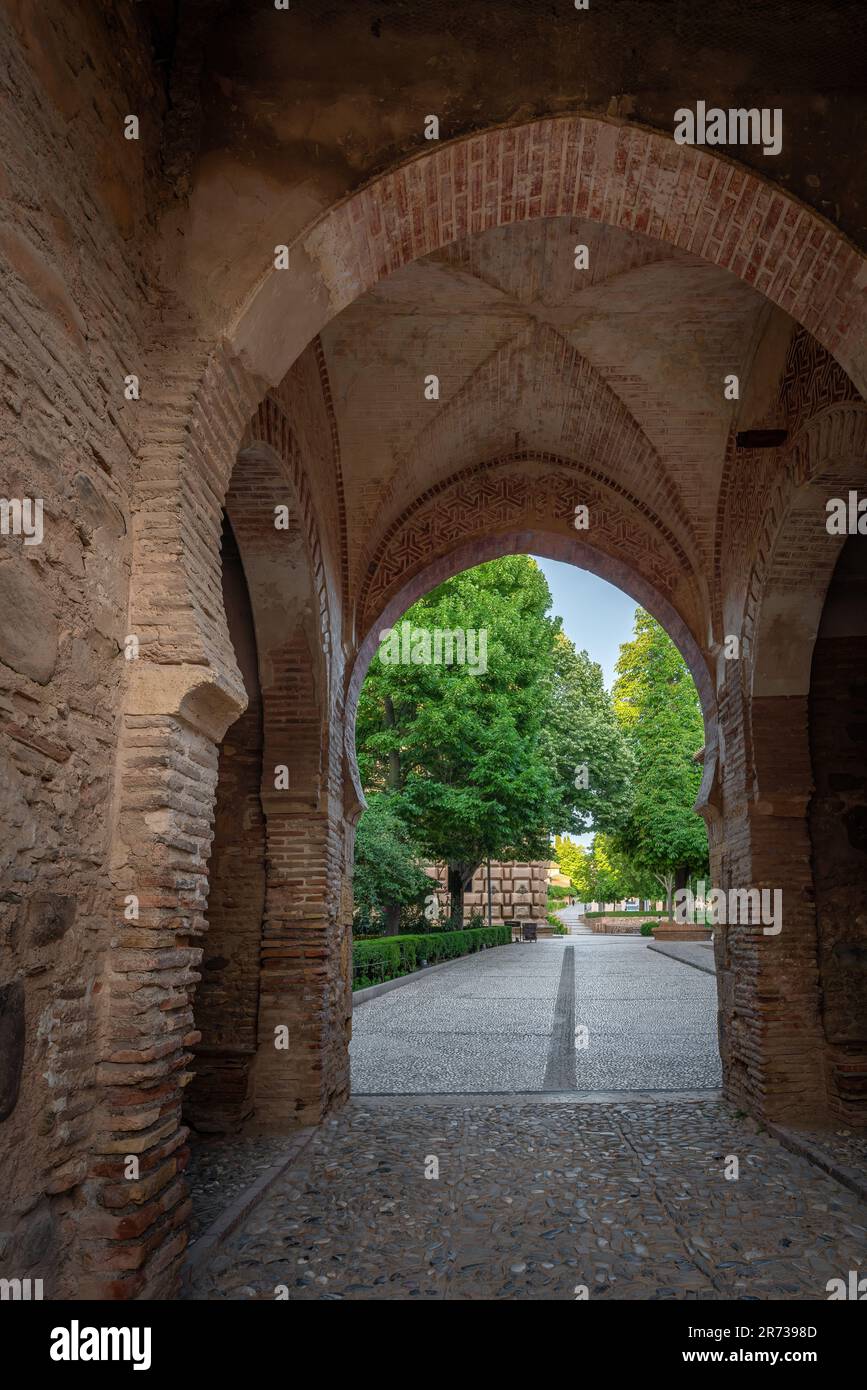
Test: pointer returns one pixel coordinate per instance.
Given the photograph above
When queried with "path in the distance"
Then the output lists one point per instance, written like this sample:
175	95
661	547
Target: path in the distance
506	1020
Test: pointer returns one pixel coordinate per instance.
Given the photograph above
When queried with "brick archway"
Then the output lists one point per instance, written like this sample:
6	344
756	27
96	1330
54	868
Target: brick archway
187	689
512	488
563	166
796	555
565	411
268	896
560	166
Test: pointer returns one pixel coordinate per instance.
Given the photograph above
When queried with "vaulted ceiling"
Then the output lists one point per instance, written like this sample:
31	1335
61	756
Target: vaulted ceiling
619	368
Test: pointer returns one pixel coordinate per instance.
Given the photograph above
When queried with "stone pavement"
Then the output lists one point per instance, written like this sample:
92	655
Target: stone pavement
696	953
505	1021
571	917
221	1168
542	1199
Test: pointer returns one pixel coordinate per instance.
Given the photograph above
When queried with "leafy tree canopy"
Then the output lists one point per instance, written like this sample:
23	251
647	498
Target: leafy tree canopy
591	755
602	872
657	704
487	759
387	871
464	750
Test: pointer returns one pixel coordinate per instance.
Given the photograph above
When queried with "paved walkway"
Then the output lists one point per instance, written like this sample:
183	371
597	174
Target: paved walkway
696	953
505	1021
571	917
546	1195
536	1199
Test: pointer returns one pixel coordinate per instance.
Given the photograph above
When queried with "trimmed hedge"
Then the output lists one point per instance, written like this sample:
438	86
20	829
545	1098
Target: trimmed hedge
387	957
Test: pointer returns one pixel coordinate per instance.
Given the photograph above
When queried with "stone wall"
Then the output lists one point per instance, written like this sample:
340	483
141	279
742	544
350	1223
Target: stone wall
517	890
617	926
78	209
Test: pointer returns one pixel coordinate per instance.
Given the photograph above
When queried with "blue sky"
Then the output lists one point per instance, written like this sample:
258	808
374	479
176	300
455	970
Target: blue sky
596	616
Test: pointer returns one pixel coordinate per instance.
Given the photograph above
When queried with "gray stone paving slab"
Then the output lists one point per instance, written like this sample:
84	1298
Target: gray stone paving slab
698	954
560	1065
490	1024
534	1200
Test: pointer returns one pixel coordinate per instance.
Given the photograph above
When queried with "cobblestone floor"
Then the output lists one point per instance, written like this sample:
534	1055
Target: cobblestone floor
220	1169
536	1198
844	1146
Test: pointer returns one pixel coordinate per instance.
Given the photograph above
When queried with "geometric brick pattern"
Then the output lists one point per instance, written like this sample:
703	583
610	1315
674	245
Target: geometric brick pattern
538	387
812	381
495	496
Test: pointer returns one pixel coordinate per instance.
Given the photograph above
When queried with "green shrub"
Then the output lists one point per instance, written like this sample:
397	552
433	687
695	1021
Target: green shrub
558	926
557	893
647	928
388	957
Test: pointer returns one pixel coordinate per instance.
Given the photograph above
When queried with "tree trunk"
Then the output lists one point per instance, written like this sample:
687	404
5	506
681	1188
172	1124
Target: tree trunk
666	883
391	920
460	877
677	881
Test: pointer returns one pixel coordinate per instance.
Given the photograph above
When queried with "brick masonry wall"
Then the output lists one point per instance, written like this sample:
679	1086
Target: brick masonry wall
838	829
220	1097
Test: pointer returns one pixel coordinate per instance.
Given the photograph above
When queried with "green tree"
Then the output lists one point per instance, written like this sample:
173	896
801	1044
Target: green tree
570	856
592	756
601	873
590	871
388	874
462	746
657	704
